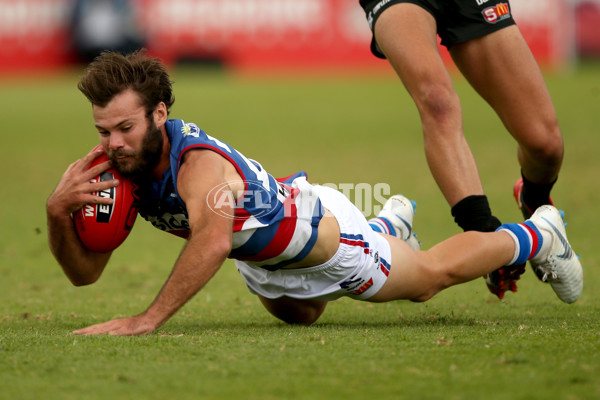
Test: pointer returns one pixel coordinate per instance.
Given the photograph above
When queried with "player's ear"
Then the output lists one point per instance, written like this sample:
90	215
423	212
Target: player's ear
160	114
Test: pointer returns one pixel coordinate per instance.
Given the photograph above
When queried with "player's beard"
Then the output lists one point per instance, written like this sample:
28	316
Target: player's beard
144	160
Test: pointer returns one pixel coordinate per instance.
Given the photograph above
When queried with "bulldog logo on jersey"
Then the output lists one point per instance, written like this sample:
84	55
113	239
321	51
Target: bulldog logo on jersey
190	130
496	13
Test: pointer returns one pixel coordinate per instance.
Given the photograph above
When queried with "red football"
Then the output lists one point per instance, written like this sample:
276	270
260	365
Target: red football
103	227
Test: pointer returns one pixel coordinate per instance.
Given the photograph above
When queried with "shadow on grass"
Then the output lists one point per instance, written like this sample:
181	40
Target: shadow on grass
190	327
276	325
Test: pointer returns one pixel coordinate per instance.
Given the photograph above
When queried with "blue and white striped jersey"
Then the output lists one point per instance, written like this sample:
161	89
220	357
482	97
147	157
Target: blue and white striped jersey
275	221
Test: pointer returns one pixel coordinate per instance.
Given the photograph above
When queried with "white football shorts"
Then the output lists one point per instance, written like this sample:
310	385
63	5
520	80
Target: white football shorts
358	269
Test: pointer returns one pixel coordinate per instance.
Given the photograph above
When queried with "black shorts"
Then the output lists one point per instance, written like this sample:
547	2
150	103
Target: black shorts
457	21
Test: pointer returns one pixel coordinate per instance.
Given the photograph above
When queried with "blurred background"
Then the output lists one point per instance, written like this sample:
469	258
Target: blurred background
250	35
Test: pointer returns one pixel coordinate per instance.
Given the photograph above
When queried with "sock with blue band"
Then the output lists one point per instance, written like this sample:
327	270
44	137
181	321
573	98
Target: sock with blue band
528	241
382	225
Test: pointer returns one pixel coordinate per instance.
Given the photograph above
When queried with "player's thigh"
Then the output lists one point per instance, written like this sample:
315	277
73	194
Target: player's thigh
407	35
413	276
502	69
294	311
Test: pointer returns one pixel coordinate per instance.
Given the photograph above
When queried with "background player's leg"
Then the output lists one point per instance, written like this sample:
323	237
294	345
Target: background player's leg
406	34
503	71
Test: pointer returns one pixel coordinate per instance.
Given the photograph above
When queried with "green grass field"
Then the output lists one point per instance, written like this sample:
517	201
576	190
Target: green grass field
463	344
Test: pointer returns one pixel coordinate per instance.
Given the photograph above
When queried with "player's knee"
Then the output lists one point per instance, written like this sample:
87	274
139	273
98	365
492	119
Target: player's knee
423	297
438	283
548	150
543	141
293	311
552	153
439	278
306	316
431	290
437	103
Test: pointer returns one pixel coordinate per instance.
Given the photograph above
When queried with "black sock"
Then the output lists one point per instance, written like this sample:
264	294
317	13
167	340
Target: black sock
473	214
536	194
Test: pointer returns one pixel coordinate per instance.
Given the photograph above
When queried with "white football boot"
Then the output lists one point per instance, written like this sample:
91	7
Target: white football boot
557	263
400	212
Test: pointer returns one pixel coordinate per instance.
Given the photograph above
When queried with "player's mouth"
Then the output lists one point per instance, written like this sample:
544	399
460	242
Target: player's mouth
118	156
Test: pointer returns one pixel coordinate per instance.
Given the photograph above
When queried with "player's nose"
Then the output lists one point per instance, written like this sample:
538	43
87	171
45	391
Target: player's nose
115	142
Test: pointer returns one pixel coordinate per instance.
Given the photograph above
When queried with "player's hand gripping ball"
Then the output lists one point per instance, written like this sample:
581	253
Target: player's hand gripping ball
103	227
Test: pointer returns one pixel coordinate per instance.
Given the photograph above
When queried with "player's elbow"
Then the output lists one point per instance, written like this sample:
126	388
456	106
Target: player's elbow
219	244
83	280
80	283
222	246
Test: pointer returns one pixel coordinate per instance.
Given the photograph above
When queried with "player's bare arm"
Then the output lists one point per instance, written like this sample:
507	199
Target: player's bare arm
74	191
207	247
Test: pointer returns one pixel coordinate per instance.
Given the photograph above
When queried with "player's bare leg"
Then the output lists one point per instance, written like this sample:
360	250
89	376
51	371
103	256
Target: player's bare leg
406	34
504	72
542	239
419	275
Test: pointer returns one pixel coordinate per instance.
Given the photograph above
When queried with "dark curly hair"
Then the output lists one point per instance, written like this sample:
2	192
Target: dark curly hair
111	73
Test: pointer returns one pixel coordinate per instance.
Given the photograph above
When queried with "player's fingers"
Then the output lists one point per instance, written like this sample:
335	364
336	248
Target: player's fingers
94	187
97	199
96	170
82	168
93	154
122	326
96	329
88	193
87	160
94	199
90	330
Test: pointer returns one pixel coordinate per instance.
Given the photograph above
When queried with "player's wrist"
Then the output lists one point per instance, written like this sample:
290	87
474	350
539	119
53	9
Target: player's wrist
56	212
154	317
